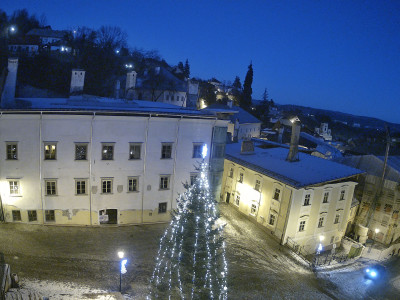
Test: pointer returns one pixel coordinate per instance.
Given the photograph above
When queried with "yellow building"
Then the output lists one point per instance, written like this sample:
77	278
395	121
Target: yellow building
305	201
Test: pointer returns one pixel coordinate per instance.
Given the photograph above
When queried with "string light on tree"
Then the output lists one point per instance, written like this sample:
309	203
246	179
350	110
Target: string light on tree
191	261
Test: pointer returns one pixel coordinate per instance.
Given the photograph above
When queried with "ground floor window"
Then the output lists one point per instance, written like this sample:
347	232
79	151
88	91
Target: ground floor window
272	219
162	207
32	215
253	209
16	214
49	215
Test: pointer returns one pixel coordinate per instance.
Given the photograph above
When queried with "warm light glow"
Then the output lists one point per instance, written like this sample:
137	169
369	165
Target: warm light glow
376	230
321	238
121	254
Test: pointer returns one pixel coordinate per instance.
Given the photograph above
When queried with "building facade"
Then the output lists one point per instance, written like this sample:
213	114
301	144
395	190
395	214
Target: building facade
301	201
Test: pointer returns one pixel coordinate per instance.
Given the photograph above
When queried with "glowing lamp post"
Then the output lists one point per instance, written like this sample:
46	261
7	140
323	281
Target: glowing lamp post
122	267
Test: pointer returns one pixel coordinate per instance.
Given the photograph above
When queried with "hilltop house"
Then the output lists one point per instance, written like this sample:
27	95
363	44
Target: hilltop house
86	160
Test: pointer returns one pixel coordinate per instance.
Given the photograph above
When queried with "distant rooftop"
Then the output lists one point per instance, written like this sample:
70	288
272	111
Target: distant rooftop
47	32
99	104
239	114
308	171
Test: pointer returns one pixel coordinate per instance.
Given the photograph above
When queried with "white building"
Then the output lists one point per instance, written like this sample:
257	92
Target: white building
300	202
324	132
88	161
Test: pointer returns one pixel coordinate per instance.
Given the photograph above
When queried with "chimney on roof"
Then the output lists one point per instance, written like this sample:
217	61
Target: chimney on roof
130	84
8	93
293	154
77	83
247	147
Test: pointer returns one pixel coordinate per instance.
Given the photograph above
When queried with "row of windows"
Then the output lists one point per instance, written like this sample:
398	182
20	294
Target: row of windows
321	222
107	151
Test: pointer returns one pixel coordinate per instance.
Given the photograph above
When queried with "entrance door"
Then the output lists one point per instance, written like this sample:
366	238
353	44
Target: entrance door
108	216
228	195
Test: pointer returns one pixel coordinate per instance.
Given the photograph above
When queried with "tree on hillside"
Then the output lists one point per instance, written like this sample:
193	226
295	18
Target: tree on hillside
24	22
207	92
191	261
237	91
247	90
111	38
186	69
265	95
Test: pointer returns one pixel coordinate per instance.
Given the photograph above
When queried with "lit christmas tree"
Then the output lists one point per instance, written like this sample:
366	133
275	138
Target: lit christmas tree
191	261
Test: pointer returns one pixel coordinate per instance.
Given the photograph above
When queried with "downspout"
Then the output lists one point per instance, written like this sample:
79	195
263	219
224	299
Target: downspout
144	165
287	214
175	154
90	167
40	165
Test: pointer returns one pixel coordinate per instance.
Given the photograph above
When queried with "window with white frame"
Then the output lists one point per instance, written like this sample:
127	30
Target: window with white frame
81	151
231	172
12	151
337	219
80	186
277	193
135	150
16	214
307	198
272	219
51	187
326	197
257	186
321	222
302	226
166	150
197	150
133	184
237	200
50	151
342	194
164	182
107	151
106	185
14	187
253	209
241	177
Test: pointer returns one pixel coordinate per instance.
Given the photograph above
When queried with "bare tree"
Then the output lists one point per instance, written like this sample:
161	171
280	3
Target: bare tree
111	37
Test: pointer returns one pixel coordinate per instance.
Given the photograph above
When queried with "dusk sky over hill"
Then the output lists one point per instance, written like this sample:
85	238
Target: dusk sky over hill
338	55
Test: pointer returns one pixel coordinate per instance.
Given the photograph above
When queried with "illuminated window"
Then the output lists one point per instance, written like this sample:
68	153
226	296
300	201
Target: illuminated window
80	186
321	222
342	193
302	225
231	173
166	150
253	209
107	151
106	185
272	219
14	187
164	182
12	151
162	207
337	219
326	197
197	150
241	178
276	194
32	215
80	151
133	183
134	150
51	187
16	214
50	151
49	215
307	199
257	186
237	200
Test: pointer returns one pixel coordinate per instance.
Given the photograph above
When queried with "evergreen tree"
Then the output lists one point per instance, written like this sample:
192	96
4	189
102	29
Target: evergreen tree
247	90
186	69
237	90
265	95
191	260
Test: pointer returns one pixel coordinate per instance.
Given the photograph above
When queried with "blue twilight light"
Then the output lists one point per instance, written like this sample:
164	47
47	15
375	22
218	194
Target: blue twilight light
123	268
373	274
204	151
367	270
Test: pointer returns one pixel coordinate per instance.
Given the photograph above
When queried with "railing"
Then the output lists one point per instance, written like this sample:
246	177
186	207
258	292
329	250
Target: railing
297	249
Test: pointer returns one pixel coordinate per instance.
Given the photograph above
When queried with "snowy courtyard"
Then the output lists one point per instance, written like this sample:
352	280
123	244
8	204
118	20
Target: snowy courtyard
82	263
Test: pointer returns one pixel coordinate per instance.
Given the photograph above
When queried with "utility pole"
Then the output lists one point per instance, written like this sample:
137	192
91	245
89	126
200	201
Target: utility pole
379	187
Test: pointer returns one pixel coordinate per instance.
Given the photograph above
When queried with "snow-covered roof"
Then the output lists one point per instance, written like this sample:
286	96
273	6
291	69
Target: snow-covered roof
308	171
322	146
236	113
100	104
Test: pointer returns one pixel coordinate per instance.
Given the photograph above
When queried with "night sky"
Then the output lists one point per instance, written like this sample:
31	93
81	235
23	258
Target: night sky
339	55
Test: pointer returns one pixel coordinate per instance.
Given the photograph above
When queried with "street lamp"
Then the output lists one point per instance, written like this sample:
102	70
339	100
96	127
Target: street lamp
122	269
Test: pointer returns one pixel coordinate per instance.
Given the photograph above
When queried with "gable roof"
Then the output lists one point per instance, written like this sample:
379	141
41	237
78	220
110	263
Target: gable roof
243	117
308	171
162	80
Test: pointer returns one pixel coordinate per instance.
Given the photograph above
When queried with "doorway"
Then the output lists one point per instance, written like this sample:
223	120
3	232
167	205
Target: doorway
228	196
108	216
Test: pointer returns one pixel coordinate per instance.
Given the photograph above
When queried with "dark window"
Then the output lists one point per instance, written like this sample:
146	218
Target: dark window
80	152
51	187
326	197
132	184
241	177
302	225
257	187
12	151
16	214
162	207
166	151
219	150
276	194
307	200
49	215
271	220
107	152
164	182
134	151
32	215
197	150
106	186
193	178
80	187
321	222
